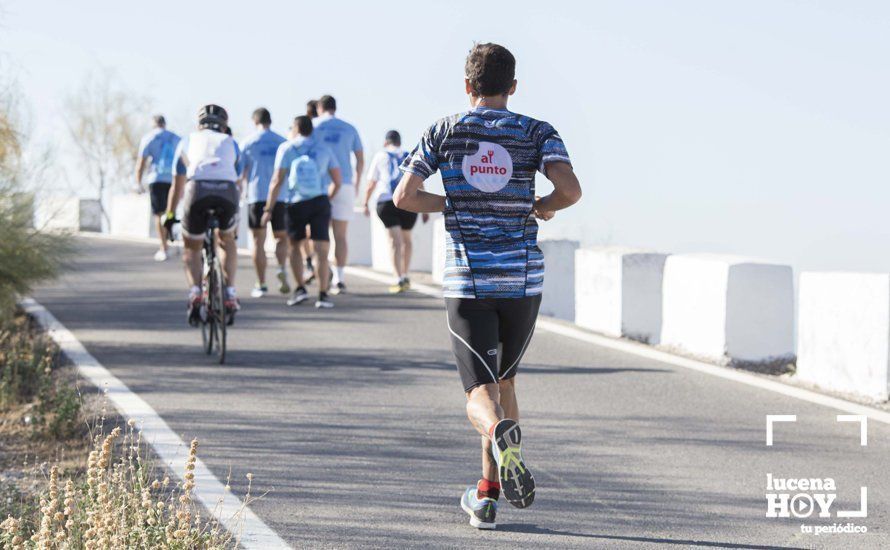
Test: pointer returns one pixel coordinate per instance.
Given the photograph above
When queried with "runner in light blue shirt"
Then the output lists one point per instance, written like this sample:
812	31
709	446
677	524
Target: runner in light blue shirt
343	139
156	153
257	161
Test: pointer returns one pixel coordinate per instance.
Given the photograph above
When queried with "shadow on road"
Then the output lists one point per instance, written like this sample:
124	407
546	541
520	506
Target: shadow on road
535	530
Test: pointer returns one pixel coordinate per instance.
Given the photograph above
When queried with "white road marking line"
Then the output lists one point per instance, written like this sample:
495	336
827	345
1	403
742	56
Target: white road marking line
642	350
228	509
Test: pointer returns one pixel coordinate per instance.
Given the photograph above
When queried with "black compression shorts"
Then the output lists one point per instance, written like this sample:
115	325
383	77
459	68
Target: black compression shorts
255	215
203	195
393	216
490	335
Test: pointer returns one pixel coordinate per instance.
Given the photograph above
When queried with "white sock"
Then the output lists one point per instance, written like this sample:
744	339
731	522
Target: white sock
230	290
194	291
338	275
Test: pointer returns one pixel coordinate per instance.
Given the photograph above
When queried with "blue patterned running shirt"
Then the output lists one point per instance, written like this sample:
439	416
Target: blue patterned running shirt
488	158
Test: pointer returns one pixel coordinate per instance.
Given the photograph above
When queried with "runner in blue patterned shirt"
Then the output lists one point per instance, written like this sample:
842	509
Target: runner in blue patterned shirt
494	271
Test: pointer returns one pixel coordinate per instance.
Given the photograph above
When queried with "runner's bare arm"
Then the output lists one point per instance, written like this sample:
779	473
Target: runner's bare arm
410	196
274	186
140	167
372	184
359	168
566	190
175	192
336	181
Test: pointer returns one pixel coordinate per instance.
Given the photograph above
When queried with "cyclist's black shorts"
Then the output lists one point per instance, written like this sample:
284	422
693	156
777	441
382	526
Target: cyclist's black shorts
392	216
490	335
201	196
158	191
316	213
255	215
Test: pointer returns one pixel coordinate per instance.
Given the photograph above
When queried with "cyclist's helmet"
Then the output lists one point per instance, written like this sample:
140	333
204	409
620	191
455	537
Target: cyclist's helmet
213	117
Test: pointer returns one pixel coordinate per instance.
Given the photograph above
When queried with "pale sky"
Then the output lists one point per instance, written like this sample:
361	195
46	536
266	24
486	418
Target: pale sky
759	128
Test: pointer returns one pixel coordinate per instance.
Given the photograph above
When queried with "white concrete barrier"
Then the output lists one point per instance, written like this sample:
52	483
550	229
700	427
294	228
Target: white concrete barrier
618	292
422	254
438	250
358	239
70	213
131	216
559	278
843	341
728	309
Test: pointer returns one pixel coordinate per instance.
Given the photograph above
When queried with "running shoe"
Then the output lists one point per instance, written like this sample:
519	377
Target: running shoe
482	511
398	287
298	297
323	301
338	288
161	255
259	291
517	483
406	283
282	278
195	304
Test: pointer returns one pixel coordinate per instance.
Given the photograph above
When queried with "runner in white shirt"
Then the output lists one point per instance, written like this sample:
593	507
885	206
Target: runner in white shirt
383	177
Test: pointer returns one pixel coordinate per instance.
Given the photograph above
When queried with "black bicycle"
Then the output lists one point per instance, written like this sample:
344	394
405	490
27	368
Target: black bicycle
214	318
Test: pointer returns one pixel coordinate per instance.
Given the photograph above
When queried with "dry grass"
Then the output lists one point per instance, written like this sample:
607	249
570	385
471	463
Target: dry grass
119	502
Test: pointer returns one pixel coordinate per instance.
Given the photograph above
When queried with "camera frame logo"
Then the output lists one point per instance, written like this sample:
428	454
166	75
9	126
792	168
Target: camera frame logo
809	497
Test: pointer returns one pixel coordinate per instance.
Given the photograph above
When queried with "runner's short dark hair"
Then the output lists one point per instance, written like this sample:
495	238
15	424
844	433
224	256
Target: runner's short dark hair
312	108
490	69
304	125
159	120
328	103
394	137
262	116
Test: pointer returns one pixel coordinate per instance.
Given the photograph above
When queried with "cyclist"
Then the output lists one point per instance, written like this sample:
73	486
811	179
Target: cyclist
257	161
494	270
383	176
156	150
206	170
313	180
344	141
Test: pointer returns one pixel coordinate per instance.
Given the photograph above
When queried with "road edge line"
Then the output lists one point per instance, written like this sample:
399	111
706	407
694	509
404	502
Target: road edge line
250	531
641	350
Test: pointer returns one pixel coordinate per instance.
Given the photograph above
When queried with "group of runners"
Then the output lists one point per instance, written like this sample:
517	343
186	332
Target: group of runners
305	186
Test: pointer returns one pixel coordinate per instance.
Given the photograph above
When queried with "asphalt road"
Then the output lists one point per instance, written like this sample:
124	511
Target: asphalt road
353	420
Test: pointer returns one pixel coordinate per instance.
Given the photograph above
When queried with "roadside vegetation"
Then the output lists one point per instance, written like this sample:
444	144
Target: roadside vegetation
70	476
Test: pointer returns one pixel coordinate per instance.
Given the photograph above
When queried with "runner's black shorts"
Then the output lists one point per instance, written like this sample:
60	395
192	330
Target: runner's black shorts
159	191
316	213
201	196
490	335
392	216
255	215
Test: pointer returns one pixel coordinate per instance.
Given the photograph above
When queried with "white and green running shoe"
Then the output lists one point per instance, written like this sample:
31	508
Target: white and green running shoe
284	287
482	511
517	482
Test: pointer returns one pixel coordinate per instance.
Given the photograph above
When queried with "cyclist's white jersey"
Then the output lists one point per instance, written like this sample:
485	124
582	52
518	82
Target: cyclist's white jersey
208	155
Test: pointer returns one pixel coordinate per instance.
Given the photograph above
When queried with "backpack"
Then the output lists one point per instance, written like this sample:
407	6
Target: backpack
395	161
304	181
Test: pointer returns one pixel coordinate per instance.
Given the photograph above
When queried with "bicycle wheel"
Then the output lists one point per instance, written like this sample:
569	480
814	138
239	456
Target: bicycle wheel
220	313
208	324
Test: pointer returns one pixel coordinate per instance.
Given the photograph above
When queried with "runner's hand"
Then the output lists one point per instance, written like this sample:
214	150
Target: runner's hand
367	211
267	217
543	215
425	217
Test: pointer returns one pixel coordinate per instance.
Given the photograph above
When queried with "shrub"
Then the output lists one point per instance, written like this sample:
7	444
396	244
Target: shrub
118	503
